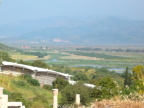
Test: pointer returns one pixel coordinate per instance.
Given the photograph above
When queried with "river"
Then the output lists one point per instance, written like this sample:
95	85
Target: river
117	70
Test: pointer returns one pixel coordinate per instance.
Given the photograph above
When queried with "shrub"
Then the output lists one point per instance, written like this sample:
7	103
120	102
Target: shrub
81	77
25	76
33	82
6	92
20	83
106	88
60	83
41	97
39	63
70	91
15	96
47	87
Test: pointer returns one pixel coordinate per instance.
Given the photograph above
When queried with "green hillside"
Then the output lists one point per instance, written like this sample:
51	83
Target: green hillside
19	90
5	47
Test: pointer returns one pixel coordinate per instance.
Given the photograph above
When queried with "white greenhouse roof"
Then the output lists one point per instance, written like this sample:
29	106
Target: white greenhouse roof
89	85
35	69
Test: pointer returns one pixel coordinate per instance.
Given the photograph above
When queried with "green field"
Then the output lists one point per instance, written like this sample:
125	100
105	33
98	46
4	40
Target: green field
71	56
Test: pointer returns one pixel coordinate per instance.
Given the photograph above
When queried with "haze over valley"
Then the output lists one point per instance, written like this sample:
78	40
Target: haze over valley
92	30
74	22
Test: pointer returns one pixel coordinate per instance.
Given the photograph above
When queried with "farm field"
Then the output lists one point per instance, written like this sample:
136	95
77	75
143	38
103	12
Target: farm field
73	57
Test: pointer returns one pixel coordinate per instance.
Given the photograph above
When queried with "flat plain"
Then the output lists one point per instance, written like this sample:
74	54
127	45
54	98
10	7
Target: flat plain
71	56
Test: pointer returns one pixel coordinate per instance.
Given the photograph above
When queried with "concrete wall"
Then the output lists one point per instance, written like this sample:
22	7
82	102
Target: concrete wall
42	77
16	69
47	78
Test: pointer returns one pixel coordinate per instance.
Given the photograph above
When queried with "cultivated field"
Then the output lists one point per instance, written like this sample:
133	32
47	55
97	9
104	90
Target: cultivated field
71	56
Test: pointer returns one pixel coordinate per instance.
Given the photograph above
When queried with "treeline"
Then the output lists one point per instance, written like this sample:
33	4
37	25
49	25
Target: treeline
89	49
95	55
127	50
39	54
134	50
109	49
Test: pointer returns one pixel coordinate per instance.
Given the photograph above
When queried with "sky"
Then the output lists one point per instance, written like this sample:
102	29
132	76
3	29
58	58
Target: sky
18	10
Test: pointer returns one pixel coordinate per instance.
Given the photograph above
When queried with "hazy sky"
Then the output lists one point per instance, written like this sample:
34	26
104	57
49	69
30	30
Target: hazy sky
16	10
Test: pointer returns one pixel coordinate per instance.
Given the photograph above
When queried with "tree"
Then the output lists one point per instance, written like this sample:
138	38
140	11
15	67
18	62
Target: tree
60	83
70	91
68	70
33	82
39	63
41	55
24	62
106	87
138	72
138	78
81	77
127	80
106	82
4	56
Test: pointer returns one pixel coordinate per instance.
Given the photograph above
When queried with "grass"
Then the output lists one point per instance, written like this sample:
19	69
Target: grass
97	55
118	104
133	100
31	96
17	56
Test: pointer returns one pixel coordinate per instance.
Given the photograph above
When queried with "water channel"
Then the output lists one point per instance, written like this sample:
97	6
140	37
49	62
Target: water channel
117	70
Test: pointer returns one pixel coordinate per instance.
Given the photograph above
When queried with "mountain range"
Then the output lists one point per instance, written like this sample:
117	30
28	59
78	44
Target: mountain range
93	30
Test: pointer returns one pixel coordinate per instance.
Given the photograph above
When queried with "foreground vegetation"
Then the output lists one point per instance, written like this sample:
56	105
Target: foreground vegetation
119	103
26	90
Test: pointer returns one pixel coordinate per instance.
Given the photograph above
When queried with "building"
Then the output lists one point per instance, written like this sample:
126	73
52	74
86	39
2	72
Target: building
44	76
25	47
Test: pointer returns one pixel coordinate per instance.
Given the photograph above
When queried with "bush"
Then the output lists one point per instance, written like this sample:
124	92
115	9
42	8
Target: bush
25	76
60	83
6	92
70	91
81	77
41	97
47	87
18	97
20	83
106	88
39	63
33	82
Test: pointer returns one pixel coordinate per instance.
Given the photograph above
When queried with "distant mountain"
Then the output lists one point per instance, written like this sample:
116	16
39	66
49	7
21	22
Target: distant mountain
73	30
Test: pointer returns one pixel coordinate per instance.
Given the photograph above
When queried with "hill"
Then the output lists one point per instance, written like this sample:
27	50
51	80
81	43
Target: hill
5	47
19	89
75	30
